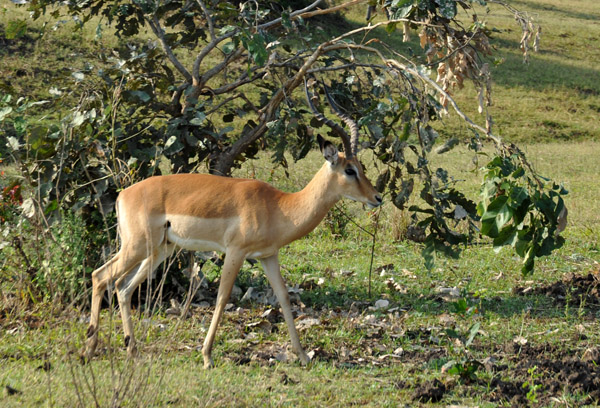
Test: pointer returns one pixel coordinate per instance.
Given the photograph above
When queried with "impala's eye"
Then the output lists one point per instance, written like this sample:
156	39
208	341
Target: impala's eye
350	172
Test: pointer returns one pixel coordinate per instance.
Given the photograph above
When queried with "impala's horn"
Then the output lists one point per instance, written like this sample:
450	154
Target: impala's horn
346	141
352	125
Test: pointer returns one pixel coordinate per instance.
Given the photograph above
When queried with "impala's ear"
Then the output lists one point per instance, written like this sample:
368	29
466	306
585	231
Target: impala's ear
330	152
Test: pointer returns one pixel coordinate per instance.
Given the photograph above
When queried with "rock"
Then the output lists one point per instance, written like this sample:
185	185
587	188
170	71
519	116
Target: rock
236	292
249	295
382	304
306	323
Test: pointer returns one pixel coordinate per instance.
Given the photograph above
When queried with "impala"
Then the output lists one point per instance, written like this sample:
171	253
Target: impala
242	218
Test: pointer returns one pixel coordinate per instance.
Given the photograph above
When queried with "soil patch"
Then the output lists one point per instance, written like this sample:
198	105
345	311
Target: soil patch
536	375
430	391
576	290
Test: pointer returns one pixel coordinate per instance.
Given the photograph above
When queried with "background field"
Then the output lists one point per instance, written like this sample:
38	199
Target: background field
535	338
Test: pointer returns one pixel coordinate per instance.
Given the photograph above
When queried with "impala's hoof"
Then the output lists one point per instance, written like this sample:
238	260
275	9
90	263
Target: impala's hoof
87	353
305	359
132	351
84	356
208	363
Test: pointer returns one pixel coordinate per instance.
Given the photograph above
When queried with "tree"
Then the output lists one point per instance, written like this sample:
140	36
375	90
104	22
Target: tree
215	63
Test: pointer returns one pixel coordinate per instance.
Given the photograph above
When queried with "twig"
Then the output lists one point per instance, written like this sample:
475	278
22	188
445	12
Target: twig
195	284
345	66
243	80
231	98
372	27
374	236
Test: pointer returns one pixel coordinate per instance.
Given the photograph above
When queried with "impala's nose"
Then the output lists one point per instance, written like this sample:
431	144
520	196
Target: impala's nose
377	203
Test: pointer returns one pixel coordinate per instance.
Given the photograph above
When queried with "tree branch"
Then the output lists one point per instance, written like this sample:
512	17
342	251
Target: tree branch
205	51
231	98
244	79
304	13
220	67
438	88
158	31
267	113
374	26
330	9
292	16
211	27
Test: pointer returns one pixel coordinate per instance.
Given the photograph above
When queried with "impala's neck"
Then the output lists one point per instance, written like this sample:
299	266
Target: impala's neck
306	208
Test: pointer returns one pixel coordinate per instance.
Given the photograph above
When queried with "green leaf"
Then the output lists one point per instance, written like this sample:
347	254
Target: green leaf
256	46
528	262
15	29
78	119
507	236
495	216
447	8
173	145
459	307
52	206
137	96
456	369
523	243
4	112
404	11
13	143
404	194
518	195
37	137
518	173
198	120
472	333
228	47
227	29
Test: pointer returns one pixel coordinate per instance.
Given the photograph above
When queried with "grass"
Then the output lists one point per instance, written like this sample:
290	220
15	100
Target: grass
552	104
169	369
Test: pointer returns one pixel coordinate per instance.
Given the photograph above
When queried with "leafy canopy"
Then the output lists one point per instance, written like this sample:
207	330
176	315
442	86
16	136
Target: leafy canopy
217	83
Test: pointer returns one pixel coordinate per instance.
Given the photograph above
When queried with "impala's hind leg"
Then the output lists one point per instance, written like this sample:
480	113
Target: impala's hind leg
101	277
127	284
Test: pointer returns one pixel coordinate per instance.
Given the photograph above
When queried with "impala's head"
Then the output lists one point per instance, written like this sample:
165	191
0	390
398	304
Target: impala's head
345	167
349	175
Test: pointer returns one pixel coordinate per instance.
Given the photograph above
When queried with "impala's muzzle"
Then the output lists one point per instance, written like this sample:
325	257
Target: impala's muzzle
377	203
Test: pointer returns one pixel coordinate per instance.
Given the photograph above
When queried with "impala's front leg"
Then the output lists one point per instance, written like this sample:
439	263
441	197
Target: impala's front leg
231	267
271	267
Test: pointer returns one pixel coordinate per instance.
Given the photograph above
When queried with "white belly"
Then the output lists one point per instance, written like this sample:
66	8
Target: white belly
199	234
208	234
194	244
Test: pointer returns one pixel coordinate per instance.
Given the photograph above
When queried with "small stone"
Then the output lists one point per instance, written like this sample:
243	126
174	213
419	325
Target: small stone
236	292
382	304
